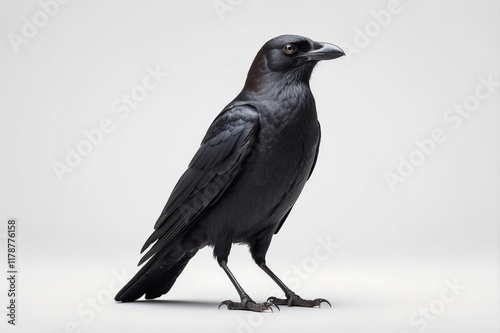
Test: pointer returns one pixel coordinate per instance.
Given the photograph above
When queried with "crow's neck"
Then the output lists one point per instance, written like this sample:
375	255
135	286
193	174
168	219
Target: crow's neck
276	86
280	94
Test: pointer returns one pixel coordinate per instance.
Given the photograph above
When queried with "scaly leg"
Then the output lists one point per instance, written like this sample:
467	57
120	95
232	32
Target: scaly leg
292	299
246	302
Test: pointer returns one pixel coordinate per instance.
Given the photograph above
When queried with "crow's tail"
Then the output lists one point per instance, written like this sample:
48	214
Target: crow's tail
156	277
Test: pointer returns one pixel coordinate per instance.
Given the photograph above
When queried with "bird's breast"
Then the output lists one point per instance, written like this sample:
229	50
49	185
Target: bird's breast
282	158
272	176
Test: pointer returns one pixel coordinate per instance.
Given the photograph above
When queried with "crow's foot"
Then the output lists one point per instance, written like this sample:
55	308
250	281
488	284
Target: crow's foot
249	305
295	300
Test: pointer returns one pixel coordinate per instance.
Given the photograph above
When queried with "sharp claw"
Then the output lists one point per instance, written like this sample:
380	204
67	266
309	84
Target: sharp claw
322	300
226	302
270	305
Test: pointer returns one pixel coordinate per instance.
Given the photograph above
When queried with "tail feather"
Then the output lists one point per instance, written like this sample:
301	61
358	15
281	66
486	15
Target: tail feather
166	281
156	277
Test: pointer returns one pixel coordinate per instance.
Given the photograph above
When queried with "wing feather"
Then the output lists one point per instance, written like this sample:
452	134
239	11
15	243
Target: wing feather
210	172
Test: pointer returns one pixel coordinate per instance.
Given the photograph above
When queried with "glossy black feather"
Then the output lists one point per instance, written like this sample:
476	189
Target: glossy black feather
214	165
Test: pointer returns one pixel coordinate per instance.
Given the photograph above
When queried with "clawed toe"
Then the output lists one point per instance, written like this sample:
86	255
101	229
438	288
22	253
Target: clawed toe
226	302
322	300
295	300
249	305
277	301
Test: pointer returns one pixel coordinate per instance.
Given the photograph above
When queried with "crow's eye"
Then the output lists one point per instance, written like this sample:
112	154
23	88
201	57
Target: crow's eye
289	48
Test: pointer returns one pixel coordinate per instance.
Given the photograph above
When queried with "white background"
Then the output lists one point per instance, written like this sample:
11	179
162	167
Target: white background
396	248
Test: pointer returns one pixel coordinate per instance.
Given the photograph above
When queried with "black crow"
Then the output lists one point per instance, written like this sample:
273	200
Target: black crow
246	176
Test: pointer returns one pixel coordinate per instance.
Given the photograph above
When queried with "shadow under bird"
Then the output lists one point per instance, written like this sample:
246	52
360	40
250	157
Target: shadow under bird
246	176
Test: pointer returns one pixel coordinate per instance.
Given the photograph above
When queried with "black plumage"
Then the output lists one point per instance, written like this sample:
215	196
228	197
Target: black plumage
246	176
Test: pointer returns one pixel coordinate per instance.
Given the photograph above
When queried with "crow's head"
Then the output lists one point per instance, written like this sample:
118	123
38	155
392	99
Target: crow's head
289	57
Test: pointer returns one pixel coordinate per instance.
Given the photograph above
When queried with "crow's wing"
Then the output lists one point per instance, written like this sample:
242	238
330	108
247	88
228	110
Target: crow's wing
212	169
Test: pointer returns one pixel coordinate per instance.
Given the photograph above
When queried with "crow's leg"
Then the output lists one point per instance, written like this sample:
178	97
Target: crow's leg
292	299
246	302
258	249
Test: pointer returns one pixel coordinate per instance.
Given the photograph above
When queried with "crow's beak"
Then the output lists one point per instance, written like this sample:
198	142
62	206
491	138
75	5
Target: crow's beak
323	51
